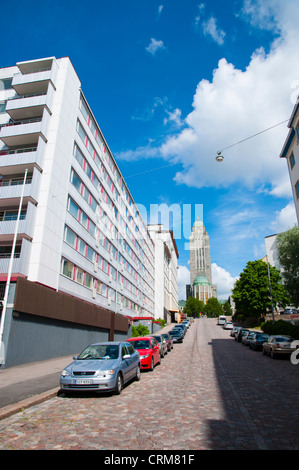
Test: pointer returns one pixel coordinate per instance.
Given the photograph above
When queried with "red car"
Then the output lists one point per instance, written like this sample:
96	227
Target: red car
149	351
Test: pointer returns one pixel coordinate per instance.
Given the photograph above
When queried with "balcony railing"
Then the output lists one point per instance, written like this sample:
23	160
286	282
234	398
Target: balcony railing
15	151
18	123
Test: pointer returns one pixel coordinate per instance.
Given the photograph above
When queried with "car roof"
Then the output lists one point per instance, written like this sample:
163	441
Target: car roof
140	337
115	343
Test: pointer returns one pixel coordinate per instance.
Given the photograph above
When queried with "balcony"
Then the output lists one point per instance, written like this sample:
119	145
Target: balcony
26	224
20	261
30	106
18	159
35	76
25	132
11	189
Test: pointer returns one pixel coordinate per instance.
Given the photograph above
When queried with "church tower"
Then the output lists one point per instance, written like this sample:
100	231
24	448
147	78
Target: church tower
200	263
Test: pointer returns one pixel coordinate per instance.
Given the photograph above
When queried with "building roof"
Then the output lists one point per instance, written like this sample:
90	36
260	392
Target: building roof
198	223
201	280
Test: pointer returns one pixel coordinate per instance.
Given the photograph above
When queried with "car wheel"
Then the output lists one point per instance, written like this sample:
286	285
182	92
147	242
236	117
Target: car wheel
152	364
118	385
138	373
264	352
272	354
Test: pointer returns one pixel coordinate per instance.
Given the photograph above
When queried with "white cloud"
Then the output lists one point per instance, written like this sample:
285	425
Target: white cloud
285	219
211	29
225	282
174	116
235	105
154	46
160	8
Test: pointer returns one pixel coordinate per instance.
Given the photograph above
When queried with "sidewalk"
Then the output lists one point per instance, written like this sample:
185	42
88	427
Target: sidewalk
29	384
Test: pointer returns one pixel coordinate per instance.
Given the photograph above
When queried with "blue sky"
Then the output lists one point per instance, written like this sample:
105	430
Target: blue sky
171	82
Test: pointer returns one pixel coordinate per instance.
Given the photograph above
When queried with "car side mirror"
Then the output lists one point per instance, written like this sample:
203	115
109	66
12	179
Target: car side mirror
75	358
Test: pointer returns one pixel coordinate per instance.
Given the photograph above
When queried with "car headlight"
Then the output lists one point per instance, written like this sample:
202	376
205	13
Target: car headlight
144	356
104	373
65	373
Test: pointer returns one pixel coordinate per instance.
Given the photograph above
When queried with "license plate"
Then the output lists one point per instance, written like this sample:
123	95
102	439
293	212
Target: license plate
83	381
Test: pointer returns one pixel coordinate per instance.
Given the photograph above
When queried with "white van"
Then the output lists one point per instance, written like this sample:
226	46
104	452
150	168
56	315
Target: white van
221	320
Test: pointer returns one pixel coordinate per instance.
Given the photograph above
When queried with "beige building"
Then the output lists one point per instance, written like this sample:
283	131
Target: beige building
200	263
290	151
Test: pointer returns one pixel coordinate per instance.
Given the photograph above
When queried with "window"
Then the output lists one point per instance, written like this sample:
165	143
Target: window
88	280
292	161
70	237
297	189
67	268
79	275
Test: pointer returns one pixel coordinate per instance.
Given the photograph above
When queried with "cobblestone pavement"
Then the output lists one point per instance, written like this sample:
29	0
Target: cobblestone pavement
209	393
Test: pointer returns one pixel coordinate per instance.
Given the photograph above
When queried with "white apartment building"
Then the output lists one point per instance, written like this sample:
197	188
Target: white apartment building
290	151
166	270
80	232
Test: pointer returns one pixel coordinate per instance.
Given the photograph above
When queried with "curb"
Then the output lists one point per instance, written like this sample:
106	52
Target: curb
9	410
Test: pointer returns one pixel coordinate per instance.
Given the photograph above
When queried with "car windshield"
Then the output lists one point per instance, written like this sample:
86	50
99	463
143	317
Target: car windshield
100	351
165	336
177	333
158	338
141	344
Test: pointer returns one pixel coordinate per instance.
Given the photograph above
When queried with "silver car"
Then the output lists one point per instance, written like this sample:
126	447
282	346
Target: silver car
102	367
278	345
162	343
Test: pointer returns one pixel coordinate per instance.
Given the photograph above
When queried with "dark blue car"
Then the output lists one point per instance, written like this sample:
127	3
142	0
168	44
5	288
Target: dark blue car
257	340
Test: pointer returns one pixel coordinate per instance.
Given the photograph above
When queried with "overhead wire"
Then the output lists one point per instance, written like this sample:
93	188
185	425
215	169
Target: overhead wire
225	148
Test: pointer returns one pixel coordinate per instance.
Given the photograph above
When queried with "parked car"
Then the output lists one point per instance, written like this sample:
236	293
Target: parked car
240	333
177	335
257	340
102	367
149	351
246	338
289	311
228	325
186	322
278	345
235	330
168	340
181	327
162	343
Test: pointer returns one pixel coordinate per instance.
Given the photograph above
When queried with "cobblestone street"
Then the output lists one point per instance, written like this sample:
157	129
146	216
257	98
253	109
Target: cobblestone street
209	393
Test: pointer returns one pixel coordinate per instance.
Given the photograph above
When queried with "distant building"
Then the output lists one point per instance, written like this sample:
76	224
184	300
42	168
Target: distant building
290	151
200	263
166	275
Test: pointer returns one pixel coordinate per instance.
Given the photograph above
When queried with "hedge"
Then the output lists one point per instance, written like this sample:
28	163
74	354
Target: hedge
280	327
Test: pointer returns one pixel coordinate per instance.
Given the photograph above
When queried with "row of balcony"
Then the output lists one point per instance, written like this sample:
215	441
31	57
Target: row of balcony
25	137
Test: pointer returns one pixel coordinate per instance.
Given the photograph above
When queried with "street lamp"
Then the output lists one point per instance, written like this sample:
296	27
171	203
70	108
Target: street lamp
219	157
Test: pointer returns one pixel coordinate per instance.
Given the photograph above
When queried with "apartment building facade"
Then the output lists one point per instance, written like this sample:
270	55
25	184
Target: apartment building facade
166	270
80	232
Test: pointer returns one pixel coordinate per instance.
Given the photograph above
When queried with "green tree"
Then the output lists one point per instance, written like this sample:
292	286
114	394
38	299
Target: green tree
226	307
288	255
193	307
213	308
251	293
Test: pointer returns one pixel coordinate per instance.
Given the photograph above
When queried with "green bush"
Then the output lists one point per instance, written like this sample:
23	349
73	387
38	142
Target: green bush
139	330
280	327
